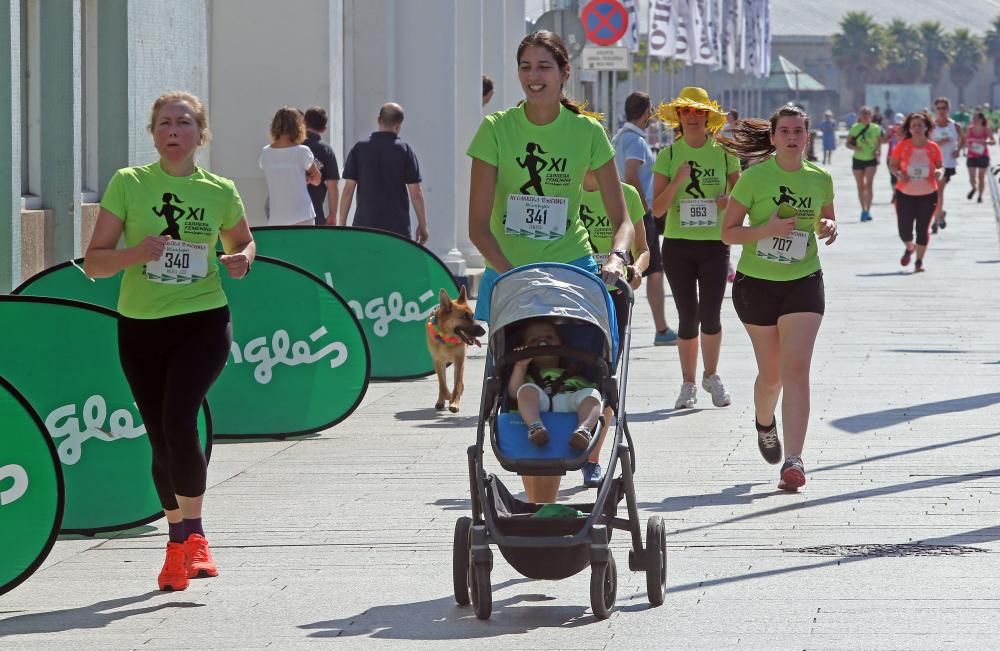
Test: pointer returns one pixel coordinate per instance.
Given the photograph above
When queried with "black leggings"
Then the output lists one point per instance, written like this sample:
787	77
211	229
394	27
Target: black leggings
915	209
170	365
696	271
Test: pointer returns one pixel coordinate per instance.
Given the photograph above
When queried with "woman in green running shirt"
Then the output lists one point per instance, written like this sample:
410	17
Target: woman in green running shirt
778	291
530	159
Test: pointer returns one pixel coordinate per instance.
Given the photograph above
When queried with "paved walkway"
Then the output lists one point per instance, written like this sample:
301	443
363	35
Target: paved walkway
345	539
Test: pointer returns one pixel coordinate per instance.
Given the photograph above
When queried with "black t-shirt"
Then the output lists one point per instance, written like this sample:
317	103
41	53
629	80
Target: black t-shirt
328	170
383	165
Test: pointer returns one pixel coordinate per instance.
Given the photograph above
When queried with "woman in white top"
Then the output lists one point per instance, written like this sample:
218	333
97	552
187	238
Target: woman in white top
288	165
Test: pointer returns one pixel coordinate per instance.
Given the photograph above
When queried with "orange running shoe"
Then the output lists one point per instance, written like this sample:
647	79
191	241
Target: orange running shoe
199	559
174	574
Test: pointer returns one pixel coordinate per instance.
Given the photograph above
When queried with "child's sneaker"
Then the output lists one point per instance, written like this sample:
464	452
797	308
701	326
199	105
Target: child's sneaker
793	474
580	438
174	575
198	557
537	433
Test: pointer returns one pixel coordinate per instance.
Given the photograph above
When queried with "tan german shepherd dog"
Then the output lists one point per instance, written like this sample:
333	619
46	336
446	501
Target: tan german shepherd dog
450	329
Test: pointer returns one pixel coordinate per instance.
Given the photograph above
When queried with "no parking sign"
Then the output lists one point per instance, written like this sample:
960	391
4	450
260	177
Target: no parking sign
604	21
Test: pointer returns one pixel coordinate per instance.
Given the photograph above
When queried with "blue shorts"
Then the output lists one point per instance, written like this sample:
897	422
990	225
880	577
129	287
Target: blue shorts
490	276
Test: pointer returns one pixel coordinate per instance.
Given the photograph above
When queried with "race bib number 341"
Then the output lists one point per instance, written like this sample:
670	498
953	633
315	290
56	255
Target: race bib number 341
182	263
784	250
540	218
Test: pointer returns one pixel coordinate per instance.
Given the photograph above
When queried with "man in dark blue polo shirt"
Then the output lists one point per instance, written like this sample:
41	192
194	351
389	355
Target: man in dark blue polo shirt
327	191
384	169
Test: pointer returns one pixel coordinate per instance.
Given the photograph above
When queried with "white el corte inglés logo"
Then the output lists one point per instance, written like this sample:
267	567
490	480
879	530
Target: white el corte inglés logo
63	422
267	357
383	311
20	486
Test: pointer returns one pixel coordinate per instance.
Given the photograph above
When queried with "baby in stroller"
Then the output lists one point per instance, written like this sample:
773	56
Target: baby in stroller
541	383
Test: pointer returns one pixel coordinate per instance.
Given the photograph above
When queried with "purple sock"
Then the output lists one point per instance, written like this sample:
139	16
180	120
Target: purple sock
176	531
192	525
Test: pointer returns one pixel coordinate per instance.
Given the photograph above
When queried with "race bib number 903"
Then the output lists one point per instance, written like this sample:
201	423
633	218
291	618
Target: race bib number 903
540	218
182	263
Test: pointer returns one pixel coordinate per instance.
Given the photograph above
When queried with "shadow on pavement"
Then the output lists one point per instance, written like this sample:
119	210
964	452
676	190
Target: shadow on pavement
901	453
890	417
882	274
660	414
442	418
442	619
85	617
928	351
270	438
145	531
738	494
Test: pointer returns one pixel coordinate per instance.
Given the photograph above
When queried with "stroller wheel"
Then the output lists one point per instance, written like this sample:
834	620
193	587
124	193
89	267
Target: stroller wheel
603	587
482	591
460	560
656	560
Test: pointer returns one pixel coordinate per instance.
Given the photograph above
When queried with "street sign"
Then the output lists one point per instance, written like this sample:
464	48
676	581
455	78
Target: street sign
567	25
604	21
604	58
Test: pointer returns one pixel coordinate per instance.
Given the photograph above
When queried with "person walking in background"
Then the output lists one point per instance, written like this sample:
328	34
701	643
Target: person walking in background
691	183
327	192
288	165
634	160
949	137
865	138
917	164
487	90
173	335
829	130
877	116
384	170
778	292
977	141
500	210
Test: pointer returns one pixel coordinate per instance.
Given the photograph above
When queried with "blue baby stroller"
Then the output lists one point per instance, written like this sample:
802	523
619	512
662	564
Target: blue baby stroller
596	336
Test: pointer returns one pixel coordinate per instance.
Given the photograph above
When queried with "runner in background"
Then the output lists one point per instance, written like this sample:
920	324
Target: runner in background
978	140
634	160
949	137
779	293
691	183
865	139
916	163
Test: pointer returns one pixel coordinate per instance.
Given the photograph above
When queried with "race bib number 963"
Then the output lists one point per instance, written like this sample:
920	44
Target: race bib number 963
182	263
698	213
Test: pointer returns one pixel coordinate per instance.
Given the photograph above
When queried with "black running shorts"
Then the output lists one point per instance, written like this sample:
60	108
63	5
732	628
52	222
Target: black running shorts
760	302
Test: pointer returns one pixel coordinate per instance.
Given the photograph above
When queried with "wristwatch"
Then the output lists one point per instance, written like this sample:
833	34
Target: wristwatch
621	253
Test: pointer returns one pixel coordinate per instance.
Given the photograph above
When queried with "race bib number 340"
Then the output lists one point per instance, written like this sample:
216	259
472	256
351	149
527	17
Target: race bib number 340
540	218
182	263
784	250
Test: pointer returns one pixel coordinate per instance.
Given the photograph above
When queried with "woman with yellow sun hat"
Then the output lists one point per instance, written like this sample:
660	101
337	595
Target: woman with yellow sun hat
691	183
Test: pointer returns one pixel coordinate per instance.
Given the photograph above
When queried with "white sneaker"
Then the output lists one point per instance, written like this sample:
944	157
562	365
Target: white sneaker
713	384
688	396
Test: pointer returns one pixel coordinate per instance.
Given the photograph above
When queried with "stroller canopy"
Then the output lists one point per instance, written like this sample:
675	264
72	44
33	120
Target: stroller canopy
553	290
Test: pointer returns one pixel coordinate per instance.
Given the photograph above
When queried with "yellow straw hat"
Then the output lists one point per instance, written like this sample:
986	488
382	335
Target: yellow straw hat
692	96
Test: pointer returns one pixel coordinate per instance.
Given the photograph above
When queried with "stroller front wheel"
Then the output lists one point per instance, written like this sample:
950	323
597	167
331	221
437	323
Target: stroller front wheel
460	555
656	560
482	591
603	587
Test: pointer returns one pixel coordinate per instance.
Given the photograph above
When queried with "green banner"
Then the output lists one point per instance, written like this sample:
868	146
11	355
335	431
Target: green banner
390	282
299	362
31	489
63	356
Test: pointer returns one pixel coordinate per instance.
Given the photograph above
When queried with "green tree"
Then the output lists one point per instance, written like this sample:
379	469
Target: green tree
992	43
858	50
905	61
936	45
967	54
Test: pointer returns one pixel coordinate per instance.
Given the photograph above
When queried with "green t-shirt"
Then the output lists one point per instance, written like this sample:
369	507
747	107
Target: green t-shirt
867	142
572	383
760	189
710	169
595	217
540	161
189	208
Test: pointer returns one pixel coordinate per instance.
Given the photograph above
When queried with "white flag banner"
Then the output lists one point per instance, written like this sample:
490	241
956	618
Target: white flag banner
663	28
631	37
683	40
731	34
765	38
750	59
715	31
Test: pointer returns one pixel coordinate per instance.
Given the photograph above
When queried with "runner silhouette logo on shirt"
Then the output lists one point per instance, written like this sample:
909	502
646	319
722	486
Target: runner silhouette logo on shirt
694	187
789	196
550	171
181	217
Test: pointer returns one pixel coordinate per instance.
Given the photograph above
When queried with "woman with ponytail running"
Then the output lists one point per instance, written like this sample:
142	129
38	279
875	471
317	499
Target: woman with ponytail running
778	292
508	176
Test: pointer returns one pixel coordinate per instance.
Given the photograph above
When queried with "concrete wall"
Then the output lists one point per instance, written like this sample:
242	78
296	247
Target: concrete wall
10	146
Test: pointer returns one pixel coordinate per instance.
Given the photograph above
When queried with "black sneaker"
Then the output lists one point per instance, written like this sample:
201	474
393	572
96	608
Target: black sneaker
934	228
972	193
793	474
768	443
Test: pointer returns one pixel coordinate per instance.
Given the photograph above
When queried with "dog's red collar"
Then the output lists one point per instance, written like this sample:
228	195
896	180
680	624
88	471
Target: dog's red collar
432	327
